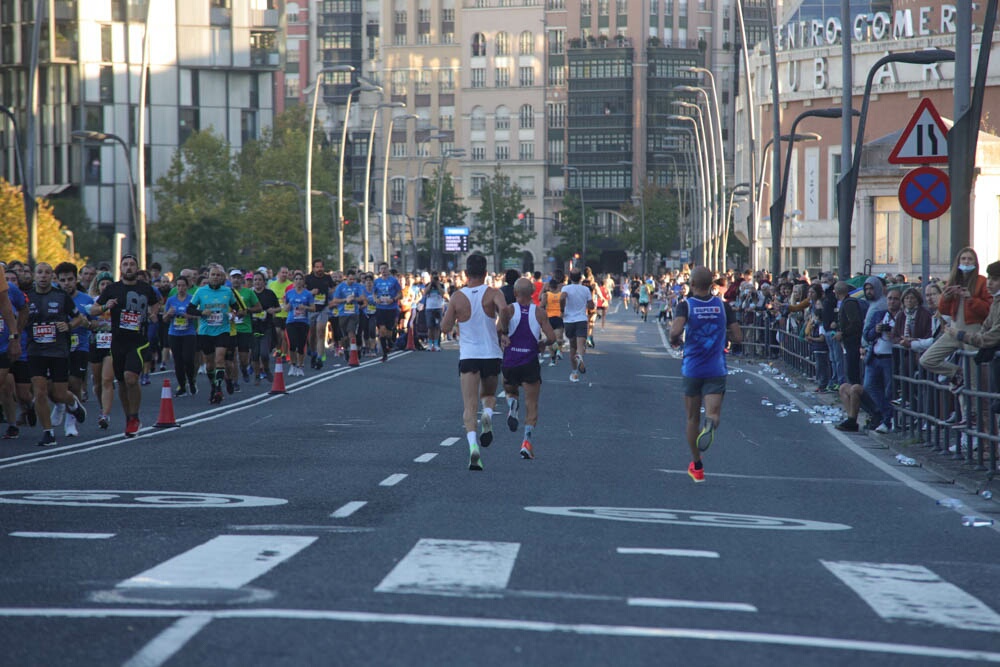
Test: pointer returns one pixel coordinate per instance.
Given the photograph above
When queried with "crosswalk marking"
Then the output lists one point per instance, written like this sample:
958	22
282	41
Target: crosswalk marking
347	509
63	536
425	458
393	480
224	562
460	566
912	592
690	553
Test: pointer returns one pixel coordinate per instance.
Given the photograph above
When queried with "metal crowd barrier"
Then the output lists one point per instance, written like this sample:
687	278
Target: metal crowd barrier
763	339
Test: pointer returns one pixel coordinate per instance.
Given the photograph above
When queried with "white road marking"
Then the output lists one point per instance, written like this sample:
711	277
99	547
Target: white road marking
63	536
393	480
507	625
914	593
166	644
665	377
692	553
425	458
448	442
347	509
224	562
462	566
691	604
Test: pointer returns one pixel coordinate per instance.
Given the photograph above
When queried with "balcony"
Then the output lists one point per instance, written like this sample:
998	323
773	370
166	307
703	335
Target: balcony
265	58
220	16
264	18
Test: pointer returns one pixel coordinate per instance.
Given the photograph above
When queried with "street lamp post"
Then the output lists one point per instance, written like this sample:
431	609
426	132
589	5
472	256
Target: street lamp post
583	213
639	196
71	237
718	157
778	205
368	173
712	182
103	137
702	163
847	184
436	233
332	200
317	89
385	180
340	173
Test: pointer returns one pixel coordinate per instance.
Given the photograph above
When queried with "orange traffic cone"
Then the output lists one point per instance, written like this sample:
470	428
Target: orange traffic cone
166	418
278	386
409	338
353	359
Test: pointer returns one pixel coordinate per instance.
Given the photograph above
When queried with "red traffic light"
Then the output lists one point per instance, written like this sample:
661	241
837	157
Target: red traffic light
346	222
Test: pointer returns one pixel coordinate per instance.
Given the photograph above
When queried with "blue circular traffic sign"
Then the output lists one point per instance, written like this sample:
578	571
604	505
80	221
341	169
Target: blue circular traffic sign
925	193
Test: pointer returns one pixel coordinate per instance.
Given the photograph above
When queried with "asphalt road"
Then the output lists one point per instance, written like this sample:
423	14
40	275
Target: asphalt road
339	525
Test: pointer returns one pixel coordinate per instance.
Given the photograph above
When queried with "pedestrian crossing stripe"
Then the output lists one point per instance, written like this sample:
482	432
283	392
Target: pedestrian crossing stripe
459	566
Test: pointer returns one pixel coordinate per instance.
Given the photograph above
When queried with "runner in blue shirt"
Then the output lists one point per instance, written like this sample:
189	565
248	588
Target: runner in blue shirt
349	298
182	337
388	292
299	303
705	322
213	304
79	339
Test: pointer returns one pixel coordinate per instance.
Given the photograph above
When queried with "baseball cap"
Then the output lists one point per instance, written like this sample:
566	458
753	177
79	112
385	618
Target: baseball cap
262	269
235	272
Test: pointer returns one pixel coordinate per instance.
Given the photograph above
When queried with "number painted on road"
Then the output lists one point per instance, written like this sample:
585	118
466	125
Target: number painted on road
182	499
689	518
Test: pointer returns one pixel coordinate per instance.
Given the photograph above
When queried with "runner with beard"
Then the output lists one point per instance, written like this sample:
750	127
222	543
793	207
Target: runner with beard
131	304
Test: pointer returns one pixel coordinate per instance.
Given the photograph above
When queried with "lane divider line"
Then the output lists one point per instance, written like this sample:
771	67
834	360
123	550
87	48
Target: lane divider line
448	442
690	553
425	458
393	480
347	509
62	536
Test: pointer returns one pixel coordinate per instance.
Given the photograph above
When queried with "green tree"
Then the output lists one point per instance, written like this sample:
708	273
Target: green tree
452	215
661	217
571	232
504	201
199	205
91	244
14	231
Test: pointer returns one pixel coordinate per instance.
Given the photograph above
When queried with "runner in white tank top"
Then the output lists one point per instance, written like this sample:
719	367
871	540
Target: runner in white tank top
475	309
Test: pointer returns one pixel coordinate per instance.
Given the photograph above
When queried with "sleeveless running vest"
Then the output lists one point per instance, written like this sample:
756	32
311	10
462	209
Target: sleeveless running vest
524	332
552	306
705	338
478	334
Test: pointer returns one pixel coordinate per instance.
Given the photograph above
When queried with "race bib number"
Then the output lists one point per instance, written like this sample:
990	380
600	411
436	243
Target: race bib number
74	342
370	309
320	299
44	333
260	316
348	307
180	324
103	340
215	318
130	320
300	311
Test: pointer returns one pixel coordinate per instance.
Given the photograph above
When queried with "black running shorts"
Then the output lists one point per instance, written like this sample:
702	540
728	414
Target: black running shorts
487	368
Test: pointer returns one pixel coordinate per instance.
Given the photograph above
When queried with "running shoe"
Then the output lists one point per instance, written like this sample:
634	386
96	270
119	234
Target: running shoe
163	367
527	451
181	391
79	412
48	439
103	422
236	387
144	379
512	416
12	433
58	411
574	377
707	436
697	475
475	460
486	430
579	364
194	389
230	386
385	357
216	396
70	428
132	426
31	415
552	362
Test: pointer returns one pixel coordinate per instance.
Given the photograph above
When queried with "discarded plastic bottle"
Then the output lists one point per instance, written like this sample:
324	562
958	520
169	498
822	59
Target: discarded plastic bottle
971	521
986	495
905	460
950	503
783	413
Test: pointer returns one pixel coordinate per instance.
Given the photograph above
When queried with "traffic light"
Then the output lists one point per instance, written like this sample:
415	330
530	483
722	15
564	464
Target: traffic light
346	222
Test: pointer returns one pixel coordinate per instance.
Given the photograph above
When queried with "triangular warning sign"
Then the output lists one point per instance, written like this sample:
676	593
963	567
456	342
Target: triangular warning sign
925	139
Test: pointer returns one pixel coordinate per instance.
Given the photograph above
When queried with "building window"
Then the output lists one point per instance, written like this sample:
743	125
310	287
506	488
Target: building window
398	190
502	151
106	43
398	149
107	84
248	125
556	115
602	7
527	117
478	120
556	151
503	44
557	75
527	43
423	15
526	76
446	81
478	77
292	87
477	185
526	150
478	44
423	84
478	152
447	37
886	232
398	83
939	235
557	41
503	78
188	121
446	121
502	120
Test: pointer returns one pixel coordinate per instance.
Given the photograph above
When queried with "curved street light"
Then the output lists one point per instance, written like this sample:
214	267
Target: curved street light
364	87
368	174
104	137
703	165
583	213
711	182
385	180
